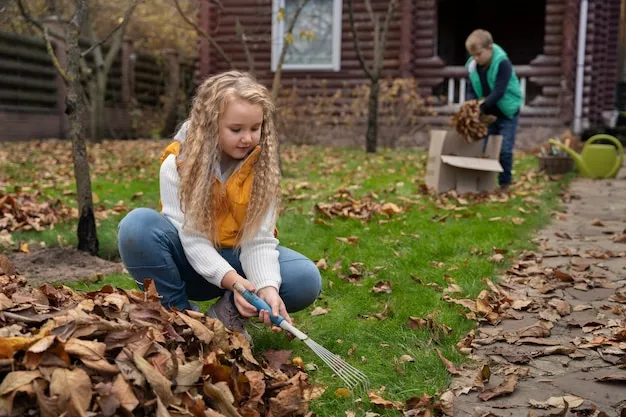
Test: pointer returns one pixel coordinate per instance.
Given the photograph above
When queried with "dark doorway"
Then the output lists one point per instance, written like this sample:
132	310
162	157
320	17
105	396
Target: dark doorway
516	25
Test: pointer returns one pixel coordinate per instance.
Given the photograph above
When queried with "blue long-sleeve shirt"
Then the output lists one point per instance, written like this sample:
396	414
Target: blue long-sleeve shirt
489	106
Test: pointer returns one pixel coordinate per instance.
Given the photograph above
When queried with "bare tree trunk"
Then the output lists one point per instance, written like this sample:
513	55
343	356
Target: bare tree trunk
102	66
373	72
371	136
87	235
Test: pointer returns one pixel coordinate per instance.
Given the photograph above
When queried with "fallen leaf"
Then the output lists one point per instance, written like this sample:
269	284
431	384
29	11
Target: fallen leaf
612	378
447	403
497	258
319	311
199	329
449	365
380	401
160	384
391	208
597	222
505	388
557	402
71	387
188	375
406	358
124	393
382	287
351	240
322	264
14	380
276	358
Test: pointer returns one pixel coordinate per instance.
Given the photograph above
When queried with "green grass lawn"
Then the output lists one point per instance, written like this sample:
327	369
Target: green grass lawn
418	246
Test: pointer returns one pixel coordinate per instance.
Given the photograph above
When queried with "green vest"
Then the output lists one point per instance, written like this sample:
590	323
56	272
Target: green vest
511	102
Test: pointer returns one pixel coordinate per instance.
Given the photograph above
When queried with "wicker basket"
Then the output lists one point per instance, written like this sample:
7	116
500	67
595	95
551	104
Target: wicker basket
555	165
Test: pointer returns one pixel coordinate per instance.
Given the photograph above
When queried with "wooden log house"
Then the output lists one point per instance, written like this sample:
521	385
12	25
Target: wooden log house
568	77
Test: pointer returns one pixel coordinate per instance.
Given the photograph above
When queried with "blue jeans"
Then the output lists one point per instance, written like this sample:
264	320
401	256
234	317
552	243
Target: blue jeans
150	248
507	128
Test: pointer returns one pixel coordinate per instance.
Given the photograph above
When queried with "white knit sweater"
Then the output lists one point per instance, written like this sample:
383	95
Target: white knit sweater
259	256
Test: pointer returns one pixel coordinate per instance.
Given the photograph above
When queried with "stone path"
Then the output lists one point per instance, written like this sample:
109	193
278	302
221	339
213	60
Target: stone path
576	315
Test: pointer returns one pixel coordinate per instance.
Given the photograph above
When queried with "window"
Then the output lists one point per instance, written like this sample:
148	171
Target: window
321	21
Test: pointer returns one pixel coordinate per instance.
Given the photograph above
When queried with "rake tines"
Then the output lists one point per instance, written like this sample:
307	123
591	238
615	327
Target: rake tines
352	377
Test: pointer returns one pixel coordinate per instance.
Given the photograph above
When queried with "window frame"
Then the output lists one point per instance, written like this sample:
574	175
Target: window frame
278	39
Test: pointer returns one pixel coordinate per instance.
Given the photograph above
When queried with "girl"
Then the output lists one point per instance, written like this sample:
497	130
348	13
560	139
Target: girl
220	189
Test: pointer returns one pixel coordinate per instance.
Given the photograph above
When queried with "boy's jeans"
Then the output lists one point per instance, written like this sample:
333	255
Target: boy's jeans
507	128
150	248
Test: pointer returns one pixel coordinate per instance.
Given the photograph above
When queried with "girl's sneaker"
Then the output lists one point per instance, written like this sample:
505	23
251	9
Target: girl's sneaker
225	311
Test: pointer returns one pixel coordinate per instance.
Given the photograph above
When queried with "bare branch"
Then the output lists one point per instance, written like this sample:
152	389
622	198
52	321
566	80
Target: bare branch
283	52
370	11
117	40
53	56
35	22
201	32
243	39
357	46
383	39
121	25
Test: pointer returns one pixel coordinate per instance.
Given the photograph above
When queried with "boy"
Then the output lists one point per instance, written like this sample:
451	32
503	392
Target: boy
492	80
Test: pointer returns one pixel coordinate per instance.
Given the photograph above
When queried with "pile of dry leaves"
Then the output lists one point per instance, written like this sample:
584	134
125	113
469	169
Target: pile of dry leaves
345	205
120	353
21	211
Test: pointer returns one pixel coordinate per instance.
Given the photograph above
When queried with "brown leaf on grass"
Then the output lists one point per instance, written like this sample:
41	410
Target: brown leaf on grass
382	287
505	388
322	264
381	402
497	258
449	365
319	311
429	322
351	240
390	208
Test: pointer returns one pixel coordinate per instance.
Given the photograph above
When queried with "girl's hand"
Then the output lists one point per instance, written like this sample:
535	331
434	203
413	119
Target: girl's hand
270	295
245	308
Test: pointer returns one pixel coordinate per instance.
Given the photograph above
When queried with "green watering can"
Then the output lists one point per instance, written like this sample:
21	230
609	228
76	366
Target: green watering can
597	160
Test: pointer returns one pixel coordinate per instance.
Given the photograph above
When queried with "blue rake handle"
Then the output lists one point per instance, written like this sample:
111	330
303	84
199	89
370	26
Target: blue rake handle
258	302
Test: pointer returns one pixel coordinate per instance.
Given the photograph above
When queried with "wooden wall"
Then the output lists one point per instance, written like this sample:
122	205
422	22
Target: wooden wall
256	20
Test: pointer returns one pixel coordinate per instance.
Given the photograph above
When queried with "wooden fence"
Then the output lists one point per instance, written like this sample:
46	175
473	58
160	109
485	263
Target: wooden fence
32	94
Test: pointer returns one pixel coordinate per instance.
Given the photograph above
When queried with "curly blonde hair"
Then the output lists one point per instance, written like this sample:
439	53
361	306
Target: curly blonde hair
201	154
